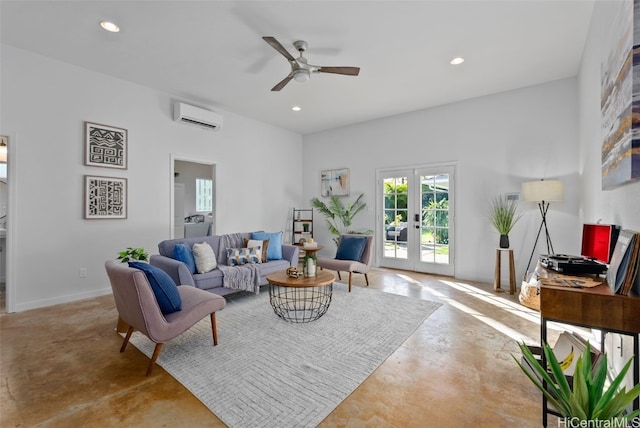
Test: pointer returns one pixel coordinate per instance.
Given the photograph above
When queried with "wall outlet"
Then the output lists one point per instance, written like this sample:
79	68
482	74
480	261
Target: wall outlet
83	272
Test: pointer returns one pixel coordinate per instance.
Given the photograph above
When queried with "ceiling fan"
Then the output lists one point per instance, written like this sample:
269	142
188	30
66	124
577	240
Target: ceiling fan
301	70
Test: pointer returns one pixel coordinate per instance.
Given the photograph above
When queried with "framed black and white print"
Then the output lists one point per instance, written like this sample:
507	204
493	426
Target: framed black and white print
105	197
105	146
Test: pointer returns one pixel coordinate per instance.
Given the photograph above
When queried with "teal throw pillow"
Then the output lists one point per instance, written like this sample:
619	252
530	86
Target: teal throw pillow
182	252
351	247
165	290
274	250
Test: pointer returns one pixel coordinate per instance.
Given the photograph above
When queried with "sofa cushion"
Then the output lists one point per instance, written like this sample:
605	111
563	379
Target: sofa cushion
263	243
351	247
205	257
274	251
165	290
182	252
241	256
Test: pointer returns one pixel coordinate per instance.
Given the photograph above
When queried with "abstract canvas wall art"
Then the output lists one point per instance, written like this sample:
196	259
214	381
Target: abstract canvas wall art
105	197
105	146
620	98
334	182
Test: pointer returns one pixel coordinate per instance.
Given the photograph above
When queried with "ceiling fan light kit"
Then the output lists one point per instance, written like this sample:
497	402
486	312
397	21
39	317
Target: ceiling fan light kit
301	75
301	70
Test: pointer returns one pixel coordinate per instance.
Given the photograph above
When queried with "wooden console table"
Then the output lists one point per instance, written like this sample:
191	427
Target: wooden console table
597	308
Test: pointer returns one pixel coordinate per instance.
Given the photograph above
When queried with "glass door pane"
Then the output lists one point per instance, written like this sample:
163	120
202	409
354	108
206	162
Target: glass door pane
395	194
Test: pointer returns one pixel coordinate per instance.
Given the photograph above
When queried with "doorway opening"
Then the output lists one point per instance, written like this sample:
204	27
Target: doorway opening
193	209
415	223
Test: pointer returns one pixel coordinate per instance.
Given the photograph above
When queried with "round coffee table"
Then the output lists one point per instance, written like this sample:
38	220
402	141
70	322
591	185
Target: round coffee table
300	299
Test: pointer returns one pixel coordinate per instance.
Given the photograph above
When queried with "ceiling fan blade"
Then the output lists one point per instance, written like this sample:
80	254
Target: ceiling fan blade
349	71
277	46
282	83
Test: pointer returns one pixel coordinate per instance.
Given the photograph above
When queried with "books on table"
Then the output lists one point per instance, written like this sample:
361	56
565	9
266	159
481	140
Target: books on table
622	275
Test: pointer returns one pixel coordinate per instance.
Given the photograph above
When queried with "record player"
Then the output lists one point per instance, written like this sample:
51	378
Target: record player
598	242
568	264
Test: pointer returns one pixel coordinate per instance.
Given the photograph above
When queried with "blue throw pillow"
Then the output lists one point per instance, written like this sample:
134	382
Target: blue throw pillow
351	247
182	252
274	250
165	290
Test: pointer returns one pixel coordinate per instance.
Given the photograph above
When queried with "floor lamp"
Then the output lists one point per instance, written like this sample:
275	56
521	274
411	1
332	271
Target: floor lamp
542	192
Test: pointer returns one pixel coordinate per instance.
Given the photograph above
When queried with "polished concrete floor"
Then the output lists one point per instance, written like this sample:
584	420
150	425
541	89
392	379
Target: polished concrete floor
60	367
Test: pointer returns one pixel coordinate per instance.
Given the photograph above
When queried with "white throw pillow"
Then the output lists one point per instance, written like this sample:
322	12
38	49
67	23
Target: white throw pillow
205	257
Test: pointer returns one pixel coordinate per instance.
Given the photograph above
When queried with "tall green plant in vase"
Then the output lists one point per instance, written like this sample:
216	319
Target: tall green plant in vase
504	215
340	216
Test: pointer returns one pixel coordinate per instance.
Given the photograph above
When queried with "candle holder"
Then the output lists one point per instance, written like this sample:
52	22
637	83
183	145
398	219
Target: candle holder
310	265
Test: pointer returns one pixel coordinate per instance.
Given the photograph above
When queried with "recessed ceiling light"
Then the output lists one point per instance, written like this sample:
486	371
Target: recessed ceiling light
110	26
457	61
296	108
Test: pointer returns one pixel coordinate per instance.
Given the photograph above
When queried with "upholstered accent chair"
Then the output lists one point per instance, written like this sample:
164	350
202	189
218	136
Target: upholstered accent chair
139	309
354	255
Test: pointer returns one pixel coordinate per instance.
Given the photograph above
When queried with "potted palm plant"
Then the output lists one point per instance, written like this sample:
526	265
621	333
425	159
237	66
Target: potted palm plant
588	398
504	215
339	217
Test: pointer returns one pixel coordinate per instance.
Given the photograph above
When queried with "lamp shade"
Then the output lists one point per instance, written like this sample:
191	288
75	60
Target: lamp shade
543	190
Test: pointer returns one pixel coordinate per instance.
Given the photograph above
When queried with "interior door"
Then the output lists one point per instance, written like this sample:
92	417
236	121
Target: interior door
416	219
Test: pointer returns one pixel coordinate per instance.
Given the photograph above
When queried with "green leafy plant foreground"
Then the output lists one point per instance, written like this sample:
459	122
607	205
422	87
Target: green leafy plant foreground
133	254
340	216
588	400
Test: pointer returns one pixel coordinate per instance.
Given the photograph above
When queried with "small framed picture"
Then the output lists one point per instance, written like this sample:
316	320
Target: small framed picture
105	146
105	197
334	182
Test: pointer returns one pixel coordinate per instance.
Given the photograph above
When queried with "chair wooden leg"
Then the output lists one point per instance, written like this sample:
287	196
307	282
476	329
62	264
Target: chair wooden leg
214	329
122	326
366	278
126	339
154	357
350	275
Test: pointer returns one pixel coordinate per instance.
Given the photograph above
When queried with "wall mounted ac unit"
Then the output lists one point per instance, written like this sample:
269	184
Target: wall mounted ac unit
197	116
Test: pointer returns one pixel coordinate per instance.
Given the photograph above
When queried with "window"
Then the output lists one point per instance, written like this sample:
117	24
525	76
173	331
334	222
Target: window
204	195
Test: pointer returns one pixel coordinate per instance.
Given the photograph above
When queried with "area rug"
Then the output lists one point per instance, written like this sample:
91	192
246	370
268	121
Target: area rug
267	372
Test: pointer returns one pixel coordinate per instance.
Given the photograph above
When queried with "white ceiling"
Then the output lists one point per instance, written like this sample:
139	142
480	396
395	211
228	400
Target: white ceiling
211	53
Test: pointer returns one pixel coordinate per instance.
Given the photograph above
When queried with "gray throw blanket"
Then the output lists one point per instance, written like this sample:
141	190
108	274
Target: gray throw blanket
246	277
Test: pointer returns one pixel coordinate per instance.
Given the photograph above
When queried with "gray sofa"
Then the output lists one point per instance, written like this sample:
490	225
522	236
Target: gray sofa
212	281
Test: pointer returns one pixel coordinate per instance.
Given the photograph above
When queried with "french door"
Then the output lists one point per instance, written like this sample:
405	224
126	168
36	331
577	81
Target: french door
416	219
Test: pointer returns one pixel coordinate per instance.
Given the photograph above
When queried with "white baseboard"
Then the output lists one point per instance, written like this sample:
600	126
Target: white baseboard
35	304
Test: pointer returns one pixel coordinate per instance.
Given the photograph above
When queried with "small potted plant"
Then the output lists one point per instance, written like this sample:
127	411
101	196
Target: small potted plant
504	215
586	399
133	254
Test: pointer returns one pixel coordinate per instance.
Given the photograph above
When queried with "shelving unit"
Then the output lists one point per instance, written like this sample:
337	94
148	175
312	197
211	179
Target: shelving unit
302	217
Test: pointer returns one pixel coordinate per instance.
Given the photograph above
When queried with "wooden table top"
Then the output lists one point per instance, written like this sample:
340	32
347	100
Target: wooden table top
281	278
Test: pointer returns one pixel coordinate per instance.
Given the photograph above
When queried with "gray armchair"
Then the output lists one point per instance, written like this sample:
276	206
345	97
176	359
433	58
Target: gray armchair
138	308
362	265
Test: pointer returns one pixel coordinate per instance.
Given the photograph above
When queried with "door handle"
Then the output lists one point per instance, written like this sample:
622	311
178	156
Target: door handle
416	217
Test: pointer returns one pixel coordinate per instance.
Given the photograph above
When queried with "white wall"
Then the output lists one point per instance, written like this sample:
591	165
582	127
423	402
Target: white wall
620	206
44	104
499	141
